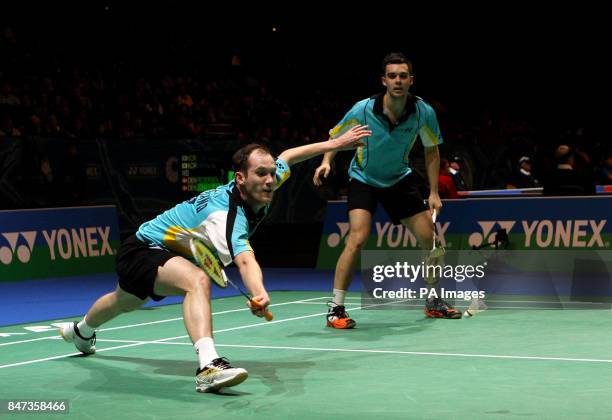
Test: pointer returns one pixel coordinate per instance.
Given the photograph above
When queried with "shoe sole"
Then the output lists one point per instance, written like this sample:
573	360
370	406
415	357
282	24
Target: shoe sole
238	379
437	314
348	326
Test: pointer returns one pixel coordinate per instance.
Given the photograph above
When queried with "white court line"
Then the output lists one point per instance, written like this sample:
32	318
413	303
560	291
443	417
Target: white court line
420	305
506	301
26	341
411	353
61	356
157	322
140	343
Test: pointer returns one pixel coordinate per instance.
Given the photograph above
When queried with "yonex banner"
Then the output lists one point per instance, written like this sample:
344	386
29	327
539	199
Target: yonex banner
530	223
58	242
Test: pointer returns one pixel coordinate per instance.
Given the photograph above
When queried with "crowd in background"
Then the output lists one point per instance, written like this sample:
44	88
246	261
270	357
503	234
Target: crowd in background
49	93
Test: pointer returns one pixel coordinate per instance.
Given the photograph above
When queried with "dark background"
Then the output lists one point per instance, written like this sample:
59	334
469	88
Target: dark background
506	80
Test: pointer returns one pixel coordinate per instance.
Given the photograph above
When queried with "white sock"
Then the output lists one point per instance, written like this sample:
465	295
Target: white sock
84	329
205	348
339	296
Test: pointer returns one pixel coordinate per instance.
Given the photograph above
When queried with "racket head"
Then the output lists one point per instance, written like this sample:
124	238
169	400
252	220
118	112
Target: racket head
208	262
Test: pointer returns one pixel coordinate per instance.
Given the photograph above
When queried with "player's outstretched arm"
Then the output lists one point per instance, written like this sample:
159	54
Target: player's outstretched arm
349	140
252	277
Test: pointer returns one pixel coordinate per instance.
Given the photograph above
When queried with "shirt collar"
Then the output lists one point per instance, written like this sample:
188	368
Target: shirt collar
237	200
409	109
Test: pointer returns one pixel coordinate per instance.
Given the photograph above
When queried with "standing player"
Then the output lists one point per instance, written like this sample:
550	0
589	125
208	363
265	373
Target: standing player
380	172
155	262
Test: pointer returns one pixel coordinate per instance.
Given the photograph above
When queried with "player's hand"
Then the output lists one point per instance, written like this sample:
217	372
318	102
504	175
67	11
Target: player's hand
352	139
323	169
258	304
434	203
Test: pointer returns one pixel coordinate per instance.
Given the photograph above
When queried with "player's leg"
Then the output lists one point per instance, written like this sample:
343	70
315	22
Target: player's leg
83	333
360	222
131	293
180	277
361	205
110	305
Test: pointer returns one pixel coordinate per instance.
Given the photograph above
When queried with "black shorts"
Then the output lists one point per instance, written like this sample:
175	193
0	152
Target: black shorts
400	200
137	266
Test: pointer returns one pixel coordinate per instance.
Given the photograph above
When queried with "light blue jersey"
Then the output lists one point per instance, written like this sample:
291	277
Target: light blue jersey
219	217
383	160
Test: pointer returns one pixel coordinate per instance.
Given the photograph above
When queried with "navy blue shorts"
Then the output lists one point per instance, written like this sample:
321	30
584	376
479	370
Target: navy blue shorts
137	266
400	201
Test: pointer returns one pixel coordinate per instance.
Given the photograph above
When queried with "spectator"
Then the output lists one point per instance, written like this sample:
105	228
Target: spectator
564	180
455	173
524	178
446	184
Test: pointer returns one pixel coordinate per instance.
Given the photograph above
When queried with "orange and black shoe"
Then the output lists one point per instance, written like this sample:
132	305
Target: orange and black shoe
337	317
438	308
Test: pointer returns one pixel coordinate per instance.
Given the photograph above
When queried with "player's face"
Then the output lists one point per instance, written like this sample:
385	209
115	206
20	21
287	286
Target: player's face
397	79
260	180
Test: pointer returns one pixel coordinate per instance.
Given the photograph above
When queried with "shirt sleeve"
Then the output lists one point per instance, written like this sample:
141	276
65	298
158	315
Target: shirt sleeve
429	130
351	119
283	172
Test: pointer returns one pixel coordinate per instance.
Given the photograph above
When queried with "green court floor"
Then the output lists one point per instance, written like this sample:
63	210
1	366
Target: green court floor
396	364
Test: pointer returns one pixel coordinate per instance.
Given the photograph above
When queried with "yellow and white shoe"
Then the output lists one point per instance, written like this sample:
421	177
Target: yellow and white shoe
219	374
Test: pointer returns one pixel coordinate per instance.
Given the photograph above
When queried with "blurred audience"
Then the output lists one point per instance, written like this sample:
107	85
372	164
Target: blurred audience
48	93
446	185
455	173
564	179
524	177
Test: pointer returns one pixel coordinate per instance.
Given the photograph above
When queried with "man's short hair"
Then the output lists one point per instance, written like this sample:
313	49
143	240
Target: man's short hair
241	157
395	58
563	154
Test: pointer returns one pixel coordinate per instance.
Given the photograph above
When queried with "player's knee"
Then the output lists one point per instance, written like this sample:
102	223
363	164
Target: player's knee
356	241
200	283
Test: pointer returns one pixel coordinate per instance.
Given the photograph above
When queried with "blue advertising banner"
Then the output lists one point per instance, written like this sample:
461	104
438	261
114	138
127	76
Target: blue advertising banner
43	243
530	222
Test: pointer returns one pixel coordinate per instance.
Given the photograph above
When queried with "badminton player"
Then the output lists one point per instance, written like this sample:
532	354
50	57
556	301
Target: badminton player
380	173
154	262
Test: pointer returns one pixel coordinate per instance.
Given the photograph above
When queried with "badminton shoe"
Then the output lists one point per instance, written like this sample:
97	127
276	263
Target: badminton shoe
438	308
338	318
219	374
71	334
